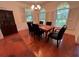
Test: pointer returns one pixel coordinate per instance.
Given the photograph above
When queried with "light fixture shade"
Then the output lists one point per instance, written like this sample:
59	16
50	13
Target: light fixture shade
39	6
32	7
35	7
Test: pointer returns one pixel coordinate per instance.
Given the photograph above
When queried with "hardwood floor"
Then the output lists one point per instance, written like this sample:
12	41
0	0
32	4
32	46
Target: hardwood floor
42	48
25	44
77	50
13	46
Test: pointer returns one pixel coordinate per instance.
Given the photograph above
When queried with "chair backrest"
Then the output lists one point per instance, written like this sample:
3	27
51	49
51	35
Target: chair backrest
48	23
35	27
37	30
30	25
61	32
41	22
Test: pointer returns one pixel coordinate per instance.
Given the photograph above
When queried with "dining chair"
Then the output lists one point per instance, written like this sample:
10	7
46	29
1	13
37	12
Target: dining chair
37	30
57	35
30	26
48	23
41	22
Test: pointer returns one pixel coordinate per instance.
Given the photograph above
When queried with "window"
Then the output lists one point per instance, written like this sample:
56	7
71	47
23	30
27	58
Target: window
62	14
28	16
42	15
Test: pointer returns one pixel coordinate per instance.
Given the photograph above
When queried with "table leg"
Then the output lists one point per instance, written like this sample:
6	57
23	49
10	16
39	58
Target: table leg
46	37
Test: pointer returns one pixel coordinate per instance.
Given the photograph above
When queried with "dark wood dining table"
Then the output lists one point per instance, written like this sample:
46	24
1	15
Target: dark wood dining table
46	29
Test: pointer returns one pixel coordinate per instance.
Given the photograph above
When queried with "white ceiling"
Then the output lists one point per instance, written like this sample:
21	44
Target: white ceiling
72	3
36	2
44	2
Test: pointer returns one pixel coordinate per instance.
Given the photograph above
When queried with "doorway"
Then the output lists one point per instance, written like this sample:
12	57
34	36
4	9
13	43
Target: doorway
7	23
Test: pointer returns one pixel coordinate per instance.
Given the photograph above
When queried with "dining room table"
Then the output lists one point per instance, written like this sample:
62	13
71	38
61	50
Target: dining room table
46	29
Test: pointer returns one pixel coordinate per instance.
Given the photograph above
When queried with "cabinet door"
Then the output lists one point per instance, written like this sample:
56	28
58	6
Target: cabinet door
11	21
10	18
8	25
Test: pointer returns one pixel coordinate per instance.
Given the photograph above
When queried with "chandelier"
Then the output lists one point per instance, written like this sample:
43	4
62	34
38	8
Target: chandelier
35	7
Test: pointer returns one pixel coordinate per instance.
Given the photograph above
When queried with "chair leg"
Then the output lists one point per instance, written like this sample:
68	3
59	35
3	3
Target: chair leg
57	44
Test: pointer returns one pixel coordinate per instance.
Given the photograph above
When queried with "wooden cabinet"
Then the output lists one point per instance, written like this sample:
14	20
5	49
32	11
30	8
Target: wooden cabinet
7	22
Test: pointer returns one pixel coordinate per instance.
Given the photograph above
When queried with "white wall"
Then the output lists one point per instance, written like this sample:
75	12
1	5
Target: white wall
1	36
19	15
18	12
73	18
